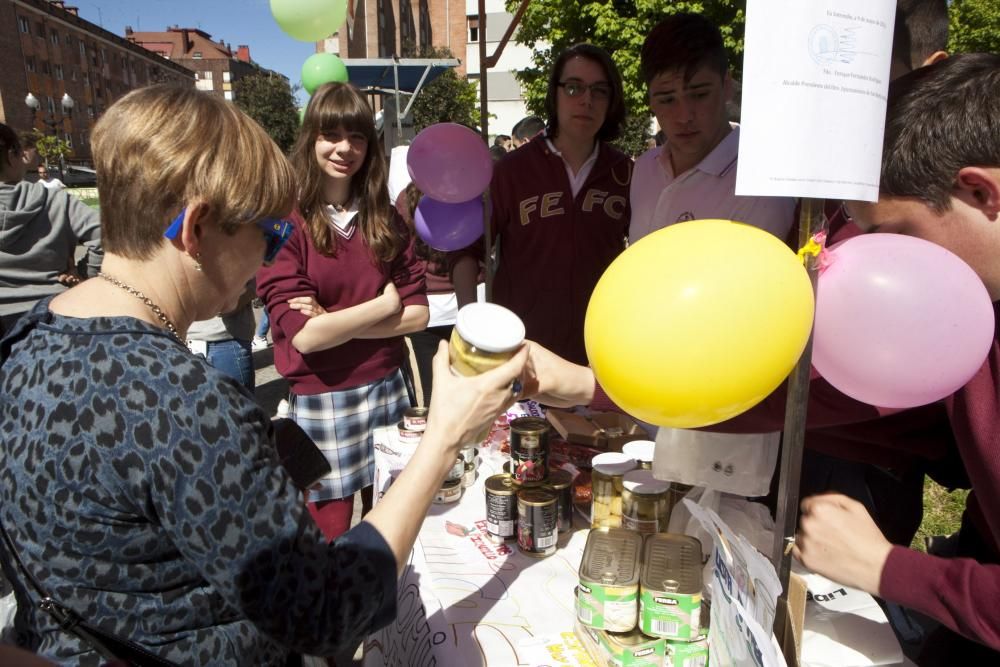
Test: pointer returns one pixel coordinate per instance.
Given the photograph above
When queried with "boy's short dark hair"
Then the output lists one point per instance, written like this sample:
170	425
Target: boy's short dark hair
500	138
8	142
920	30
939	119
615	117
686	42
527	127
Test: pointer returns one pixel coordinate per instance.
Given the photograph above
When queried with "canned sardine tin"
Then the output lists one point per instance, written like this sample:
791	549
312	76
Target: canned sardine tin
537	523
501	508
671	580
607	597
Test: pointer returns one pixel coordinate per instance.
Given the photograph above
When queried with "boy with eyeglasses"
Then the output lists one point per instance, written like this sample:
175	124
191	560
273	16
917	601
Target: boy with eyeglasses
693	174
560	206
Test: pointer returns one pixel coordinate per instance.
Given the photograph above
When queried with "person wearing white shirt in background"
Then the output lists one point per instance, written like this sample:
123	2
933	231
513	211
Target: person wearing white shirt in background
693	174
48	181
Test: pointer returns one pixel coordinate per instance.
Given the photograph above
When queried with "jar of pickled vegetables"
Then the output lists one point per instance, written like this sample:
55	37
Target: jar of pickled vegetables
645	502
606	488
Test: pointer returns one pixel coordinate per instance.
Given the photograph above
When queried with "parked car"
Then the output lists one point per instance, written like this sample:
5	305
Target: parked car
75	176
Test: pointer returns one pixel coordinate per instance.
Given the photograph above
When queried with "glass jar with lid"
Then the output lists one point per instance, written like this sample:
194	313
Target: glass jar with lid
485	336
606	488
645	502
641	451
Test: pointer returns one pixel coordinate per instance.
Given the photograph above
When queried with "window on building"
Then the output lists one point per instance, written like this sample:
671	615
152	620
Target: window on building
473	28
54	37
90	110
228	95
207	76
69	139
196	55
23	25
29	64
86	79
104	57
46	69
40	30
50	104
69	40
58	69
226	77
83	138
72	74
83	49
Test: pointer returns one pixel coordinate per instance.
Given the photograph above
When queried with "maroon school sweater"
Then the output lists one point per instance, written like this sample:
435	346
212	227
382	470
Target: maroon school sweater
961	593
554	246
349	278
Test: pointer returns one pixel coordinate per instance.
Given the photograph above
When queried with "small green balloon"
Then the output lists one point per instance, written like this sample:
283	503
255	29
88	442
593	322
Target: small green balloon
321	68
309	20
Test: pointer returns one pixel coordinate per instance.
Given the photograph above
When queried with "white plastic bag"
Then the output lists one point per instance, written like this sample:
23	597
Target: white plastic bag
741	464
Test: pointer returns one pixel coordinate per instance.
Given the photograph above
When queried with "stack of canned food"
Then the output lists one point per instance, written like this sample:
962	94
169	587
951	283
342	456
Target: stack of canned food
530	502
639	599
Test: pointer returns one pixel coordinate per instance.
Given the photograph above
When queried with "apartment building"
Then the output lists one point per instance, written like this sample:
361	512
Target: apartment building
216	66
60	72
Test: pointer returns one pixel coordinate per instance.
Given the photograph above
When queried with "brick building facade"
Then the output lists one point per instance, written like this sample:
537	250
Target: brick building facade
47	50
216	65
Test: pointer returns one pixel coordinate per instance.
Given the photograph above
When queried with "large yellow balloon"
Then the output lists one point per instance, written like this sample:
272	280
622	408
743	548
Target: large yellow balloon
698	322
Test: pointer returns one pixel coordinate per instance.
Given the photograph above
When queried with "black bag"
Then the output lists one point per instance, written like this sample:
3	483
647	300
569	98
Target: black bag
298	454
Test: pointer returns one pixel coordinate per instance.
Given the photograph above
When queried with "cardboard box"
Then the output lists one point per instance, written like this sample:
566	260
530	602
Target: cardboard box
606	431
789	619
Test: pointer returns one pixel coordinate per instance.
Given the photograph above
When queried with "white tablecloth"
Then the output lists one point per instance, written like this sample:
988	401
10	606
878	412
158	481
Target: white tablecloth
464	601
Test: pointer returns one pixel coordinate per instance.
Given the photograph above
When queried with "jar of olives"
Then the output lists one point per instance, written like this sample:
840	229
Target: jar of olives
606	488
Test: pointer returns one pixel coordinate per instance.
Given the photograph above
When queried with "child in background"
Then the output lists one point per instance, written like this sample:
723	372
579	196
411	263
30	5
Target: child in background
341	295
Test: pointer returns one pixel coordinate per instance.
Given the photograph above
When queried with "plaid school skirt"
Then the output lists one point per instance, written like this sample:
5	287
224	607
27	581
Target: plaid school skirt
341	425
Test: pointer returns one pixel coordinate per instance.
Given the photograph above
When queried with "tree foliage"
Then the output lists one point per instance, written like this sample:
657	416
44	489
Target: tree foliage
974	26
447	99
620	27
51	148
268	99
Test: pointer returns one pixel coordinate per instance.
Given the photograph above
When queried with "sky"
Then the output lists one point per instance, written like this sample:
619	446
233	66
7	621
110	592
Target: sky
232	21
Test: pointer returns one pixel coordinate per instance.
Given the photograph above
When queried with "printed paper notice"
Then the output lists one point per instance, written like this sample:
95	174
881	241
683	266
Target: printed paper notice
815	78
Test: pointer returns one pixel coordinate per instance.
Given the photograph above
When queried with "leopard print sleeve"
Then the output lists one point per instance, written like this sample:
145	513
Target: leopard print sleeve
142	487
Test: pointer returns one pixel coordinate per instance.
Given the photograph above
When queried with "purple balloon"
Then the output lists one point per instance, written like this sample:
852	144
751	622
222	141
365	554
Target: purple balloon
449	163
445	226
900	321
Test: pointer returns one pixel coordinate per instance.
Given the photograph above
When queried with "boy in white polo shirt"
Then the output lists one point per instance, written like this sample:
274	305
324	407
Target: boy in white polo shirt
693	174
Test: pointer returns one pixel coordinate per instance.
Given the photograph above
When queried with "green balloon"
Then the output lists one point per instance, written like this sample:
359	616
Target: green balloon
302	115
309	20
320	68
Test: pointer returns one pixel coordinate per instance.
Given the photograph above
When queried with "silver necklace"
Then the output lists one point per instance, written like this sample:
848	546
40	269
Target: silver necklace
146	300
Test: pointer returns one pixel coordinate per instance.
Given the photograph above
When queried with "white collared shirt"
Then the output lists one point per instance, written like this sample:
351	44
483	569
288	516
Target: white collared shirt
708	190
577	180
342	221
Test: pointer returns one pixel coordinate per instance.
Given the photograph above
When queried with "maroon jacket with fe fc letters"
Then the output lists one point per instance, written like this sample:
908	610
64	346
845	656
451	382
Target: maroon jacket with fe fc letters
553	247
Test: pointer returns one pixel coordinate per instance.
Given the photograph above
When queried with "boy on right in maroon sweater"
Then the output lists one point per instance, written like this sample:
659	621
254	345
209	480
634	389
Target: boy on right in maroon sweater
940	182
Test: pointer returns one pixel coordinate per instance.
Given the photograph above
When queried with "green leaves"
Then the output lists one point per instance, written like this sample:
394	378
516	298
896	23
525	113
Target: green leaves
268	99
974	26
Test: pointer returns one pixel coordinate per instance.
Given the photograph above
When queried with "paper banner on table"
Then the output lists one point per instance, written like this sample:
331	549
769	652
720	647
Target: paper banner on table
815	78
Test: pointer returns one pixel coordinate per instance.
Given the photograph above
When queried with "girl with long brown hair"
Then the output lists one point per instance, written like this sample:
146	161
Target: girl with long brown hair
341	295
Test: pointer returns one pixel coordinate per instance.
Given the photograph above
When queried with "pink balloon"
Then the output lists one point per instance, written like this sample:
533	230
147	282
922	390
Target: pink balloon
450	163
900	321
445	226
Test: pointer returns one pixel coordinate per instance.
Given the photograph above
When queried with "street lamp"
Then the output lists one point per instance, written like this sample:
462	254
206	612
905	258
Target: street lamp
49	118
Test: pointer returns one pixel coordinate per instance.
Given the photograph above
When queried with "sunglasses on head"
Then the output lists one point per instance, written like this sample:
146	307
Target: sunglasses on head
276	232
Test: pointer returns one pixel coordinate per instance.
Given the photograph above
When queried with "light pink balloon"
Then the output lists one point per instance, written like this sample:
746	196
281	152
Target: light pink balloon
900	321
450	163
